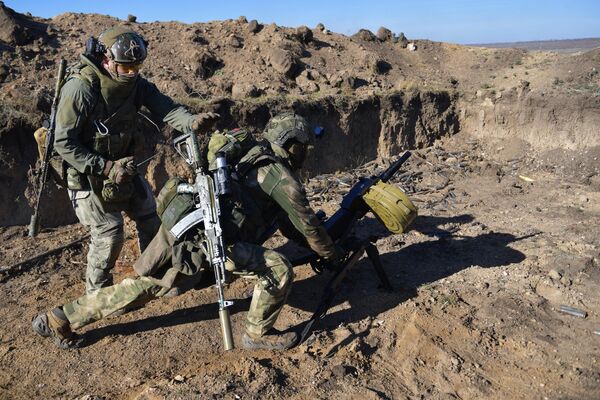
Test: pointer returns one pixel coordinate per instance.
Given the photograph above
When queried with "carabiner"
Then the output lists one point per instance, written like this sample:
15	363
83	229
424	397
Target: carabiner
101	128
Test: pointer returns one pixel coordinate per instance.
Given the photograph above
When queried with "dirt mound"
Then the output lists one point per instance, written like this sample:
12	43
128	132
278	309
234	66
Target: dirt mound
17	29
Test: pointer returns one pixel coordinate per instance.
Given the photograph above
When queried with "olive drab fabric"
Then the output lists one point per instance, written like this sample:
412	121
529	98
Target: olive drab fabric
266	192
391	206
272	271
287	194
106	229
96	118
233	144
170	206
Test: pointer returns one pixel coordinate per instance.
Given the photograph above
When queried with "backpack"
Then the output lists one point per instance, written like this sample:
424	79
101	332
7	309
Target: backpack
171	206
234	143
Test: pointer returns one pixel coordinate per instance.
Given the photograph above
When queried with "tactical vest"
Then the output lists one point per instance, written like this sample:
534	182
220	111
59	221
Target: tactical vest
109	130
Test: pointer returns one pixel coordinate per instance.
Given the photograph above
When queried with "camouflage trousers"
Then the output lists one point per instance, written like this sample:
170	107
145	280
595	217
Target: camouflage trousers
106	230
272	271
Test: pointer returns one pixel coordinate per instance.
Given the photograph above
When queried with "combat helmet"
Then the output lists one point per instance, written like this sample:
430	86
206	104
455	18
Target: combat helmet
290	137
124	46
288	126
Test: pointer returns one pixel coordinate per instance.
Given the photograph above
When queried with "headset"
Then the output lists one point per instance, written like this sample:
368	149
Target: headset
94	49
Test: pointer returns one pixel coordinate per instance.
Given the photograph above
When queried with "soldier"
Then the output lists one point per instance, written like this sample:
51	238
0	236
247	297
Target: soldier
97	138
266	191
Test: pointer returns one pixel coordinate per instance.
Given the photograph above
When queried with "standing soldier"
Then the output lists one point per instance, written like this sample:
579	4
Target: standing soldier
96	137
266	191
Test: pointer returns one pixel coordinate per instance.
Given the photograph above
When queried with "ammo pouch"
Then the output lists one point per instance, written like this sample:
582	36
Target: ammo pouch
391	206
74	180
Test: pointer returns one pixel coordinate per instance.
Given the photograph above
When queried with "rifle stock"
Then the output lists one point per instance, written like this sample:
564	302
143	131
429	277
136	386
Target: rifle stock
34	222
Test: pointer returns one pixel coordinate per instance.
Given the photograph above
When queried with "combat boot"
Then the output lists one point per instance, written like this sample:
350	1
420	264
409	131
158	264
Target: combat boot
272	340
55	324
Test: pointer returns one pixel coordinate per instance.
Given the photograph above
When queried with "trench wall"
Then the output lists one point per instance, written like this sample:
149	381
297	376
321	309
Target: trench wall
356	131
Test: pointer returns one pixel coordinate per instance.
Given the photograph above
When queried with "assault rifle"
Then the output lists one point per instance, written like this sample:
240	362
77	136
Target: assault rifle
339	226
206	192
34	223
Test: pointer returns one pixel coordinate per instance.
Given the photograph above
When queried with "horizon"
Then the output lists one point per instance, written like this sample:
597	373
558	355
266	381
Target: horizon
461	21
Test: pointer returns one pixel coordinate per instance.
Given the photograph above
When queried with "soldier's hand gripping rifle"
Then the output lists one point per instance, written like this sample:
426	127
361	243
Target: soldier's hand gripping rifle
34	223
206	192
339	225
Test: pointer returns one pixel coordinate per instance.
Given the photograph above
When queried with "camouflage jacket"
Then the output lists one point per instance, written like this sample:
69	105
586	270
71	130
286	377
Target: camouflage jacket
277	199
89	107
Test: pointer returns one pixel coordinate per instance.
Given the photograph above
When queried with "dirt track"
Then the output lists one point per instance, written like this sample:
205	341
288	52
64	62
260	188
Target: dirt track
508	228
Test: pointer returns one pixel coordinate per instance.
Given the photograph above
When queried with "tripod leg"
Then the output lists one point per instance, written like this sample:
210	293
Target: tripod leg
373	255
329	294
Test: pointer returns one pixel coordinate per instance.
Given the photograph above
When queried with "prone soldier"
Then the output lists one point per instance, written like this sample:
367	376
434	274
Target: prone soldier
266	193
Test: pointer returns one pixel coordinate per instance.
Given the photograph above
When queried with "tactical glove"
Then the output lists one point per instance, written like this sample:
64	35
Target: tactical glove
338	256
204	121
120	171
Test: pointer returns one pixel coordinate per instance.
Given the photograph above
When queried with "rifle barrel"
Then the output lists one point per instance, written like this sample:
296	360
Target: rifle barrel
34	223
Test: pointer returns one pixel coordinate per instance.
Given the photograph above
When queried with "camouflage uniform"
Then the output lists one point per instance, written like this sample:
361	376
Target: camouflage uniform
90	103
273	194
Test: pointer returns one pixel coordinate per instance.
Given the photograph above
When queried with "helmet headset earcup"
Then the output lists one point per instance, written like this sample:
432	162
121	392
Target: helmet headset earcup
94	49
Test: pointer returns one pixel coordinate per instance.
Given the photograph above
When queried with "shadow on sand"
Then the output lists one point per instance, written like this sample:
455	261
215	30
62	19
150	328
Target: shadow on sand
408	268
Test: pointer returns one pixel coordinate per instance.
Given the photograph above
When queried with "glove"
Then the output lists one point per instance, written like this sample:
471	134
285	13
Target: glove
338	257
203	121
120	171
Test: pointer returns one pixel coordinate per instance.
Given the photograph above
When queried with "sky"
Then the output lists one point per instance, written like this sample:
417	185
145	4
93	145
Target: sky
455	21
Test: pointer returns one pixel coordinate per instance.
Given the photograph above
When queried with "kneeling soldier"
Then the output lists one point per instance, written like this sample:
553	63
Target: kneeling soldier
267	194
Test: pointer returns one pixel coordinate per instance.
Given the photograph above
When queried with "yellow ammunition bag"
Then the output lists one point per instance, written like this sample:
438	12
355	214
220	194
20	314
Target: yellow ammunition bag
391	206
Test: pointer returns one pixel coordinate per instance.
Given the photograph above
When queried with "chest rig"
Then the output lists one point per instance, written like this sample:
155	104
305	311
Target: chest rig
110	127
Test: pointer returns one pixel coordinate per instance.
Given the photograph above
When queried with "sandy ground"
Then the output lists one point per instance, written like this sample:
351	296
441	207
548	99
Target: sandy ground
499	245
507	231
